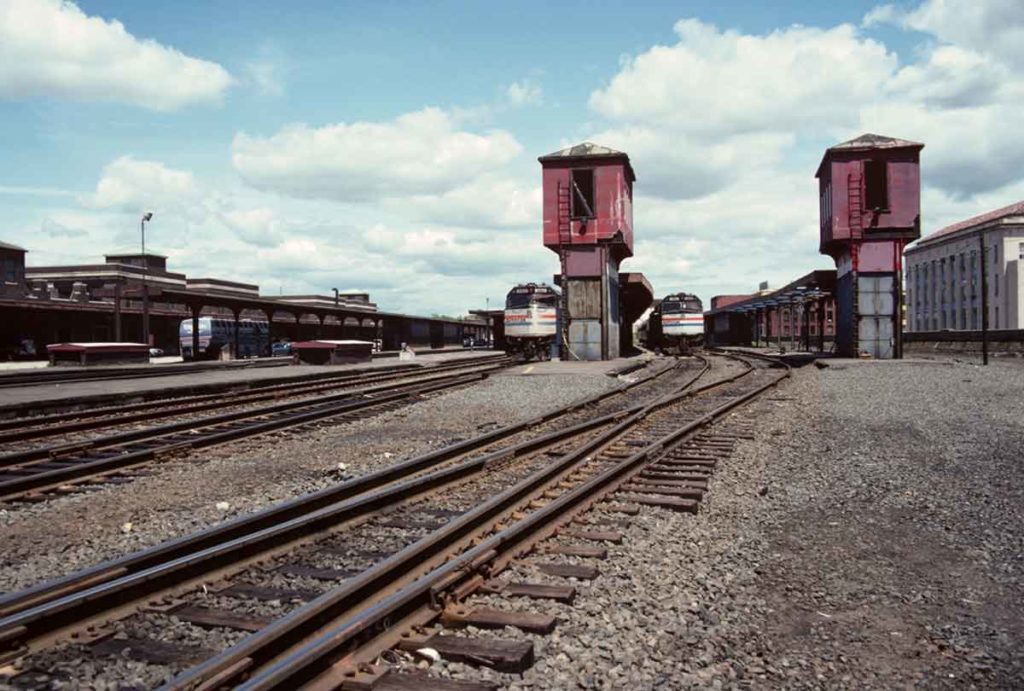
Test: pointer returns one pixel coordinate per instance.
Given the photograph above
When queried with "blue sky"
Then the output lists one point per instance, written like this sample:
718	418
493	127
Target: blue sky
392	146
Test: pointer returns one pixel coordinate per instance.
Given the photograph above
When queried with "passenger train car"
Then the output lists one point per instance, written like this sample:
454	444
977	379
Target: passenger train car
677	323
216	334
531	320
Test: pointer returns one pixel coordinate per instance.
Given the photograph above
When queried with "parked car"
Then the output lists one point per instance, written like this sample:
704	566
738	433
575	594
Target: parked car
156	352
281	349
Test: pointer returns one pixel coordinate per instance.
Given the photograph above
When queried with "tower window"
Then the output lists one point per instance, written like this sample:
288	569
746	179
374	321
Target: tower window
876	185
583	193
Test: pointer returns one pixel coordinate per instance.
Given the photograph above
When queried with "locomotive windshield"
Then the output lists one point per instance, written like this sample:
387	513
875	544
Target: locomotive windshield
521	298
518	301
687	304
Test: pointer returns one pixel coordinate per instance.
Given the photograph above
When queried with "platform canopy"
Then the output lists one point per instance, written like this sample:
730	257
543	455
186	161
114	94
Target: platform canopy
812	286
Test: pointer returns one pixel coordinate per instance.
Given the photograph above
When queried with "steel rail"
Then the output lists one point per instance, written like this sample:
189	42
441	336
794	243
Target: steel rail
119	438
12	412
70	376
57	477
221	429
263	650
46	453
33	427
51	605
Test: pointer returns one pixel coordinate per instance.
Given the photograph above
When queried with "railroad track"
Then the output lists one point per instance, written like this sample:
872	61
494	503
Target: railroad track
65	424
379	534
70	375
40	473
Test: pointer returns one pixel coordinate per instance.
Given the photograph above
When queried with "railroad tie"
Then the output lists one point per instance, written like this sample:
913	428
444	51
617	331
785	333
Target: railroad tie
412	681
151	650
489	618
498	653
586	551
665	502
597	536
578	571
534	591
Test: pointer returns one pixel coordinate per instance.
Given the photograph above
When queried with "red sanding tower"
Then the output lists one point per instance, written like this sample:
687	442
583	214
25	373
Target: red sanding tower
870	190
588	221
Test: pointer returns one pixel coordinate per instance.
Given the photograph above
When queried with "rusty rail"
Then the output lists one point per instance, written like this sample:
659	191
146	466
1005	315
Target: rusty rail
314	646
43	609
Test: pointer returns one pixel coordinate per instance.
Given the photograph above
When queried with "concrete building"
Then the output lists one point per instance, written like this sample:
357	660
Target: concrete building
944	274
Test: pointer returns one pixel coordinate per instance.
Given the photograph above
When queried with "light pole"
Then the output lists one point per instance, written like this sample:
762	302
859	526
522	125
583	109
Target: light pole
148	216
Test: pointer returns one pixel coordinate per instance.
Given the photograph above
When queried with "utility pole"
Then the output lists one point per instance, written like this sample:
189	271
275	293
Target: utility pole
984	302
148	216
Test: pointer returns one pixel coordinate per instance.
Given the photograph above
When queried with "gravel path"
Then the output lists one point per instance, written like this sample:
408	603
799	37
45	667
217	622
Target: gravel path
57	537
881	546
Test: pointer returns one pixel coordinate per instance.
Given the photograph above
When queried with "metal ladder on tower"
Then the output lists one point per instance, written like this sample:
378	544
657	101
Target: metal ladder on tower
854	192
564	240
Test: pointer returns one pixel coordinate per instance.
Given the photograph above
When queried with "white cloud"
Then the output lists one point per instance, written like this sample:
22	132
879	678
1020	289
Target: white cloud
497	260
417	153
995	27
484	202
309	246
50	48
129	184
719	104
524	93
967	150
951	77
715	83
259	226
675	164
725	130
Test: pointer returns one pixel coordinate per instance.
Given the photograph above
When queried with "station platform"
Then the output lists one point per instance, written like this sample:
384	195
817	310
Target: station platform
202	380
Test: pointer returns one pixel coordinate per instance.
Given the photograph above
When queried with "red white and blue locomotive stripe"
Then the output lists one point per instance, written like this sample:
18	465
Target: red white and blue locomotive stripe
682	324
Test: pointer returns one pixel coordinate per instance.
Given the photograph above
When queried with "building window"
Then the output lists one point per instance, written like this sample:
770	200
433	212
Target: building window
995	284
876	185
995	254
583	193
997	317
10	270
1020	250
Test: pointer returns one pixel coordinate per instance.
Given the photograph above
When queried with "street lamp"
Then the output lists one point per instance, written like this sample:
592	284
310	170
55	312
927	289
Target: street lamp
148	216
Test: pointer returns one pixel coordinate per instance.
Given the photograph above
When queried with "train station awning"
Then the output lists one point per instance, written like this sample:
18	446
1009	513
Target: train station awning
813	286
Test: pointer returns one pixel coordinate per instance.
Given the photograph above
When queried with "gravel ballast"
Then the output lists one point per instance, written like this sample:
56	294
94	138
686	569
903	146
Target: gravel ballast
57	537
869	537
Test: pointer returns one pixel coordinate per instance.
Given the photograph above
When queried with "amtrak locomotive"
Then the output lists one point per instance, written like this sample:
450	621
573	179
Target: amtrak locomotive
677	323
531	320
